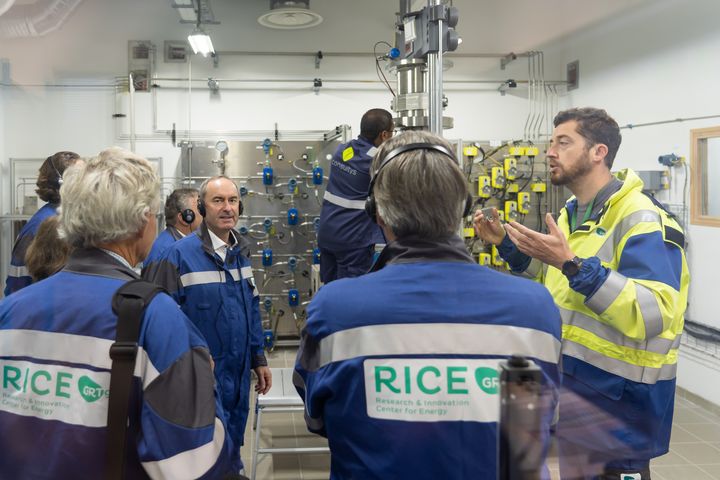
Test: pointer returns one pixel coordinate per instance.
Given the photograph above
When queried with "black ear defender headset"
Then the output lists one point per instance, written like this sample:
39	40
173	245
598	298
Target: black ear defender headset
371	205
188	216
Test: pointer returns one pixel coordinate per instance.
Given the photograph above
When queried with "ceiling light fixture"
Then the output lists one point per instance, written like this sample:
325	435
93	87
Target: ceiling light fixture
290	15
201	42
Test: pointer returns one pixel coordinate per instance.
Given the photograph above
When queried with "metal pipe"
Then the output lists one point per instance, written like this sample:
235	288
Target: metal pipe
435	79
630	126
131	86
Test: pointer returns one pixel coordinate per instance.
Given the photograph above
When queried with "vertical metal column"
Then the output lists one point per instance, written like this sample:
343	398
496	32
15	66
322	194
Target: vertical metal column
435	80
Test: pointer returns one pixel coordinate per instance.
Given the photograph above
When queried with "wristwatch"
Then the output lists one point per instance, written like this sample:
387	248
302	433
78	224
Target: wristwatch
572	267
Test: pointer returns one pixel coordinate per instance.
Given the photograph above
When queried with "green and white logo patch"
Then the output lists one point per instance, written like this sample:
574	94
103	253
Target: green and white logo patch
53	392
432	389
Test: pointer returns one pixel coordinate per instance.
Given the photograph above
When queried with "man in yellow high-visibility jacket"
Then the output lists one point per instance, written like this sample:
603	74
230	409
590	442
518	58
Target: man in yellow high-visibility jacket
616	267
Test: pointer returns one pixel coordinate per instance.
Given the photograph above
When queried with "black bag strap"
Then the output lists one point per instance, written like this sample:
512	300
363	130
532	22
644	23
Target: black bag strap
128	304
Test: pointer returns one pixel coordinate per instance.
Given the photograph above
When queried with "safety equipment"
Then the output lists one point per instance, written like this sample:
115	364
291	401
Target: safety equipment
59	180
188	216
371	205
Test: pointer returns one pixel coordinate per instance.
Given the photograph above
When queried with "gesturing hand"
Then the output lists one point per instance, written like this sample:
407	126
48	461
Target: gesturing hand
552	248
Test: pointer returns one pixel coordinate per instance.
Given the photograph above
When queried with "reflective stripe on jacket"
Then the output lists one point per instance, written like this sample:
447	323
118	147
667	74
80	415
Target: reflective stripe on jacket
344	225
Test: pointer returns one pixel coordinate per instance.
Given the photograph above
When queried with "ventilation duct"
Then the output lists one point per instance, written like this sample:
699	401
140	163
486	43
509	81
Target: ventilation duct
40	19
290	15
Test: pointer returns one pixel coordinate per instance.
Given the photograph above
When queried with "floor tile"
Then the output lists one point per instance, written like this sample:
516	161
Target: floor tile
708	432
684	434
697	453
682	472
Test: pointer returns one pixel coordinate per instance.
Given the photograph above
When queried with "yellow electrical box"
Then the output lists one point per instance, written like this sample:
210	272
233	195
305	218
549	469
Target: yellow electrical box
523	202
484	188
484	259
516	151
510	168
470	151
511	210
469	232
501	215
532	151
497	260
512	188
498	178
538	187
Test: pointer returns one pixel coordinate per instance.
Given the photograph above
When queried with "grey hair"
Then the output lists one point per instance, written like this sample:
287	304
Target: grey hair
106	198
420	192
204	185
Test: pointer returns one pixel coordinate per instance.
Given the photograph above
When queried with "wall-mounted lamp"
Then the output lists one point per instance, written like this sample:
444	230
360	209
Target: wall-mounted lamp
200	42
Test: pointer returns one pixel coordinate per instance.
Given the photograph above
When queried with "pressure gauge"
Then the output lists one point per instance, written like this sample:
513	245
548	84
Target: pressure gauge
222	147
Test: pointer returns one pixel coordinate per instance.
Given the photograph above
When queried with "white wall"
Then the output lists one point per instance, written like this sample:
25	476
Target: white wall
659	63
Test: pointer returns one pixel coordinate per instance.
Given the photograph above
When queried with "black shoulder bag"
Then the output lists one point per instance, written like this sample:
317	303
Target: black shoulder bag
128	304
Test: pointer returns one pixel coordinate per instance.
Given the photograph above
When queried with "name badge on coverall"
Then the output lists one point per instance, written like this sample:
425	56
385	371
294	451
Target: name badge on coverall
432	389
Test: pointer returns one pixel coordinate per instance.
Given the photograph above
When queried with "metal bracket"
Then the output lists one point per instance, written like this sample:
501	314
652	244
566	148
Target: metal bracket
507	59
318	58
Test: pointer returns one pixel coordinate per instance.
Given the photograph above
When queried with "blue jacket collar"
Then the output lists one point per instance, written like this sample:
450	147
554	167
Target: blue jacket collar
414	249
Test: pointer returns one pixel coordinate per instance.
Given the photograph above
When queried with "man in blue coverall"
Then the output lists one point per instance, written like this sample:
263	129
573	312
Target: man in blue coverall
399	368
209	275
181	219
347	236
48	183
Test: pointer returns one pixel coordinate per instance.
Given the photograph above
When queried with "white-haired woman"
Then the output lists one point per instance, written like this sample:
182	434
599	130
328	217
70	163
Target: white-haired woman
55	337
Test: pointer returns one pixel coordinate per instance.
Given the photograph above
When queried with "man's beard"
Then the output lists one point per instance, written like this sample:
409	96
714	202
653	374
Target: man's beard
579	169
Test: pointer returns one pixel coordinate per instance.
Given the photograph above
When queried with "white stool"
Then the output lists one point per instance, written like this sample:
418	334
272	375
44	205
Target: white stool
282	398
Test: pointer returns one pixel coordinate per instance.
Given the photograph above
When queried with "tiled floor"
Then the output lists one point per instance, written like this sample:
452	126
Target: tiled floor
694	446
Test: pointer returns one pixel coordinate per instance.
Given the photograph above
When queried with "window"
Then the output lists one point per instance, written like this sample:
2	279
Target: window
705	164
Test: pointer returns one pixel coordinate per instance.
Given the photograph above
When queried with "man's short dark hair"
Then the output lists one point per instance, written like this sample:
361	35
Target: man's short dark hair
178	201
49	175
374	122
595	126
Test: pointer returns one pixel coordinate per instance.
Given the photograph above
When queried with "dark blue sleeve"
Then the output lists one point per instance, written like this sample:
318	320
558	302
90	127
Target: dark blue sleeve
590	277
517	260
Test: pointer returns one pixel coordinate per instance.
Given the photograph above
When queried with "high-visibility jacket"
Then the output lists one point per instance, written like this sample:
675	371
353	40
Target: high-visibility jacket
18	275
623	313
344	225
398	368
164	241
220	298
55	338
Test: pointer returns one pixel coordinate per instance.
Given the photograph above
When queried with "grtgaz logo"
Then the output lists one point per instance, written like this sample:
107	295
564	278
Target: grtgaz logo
91	391
487	380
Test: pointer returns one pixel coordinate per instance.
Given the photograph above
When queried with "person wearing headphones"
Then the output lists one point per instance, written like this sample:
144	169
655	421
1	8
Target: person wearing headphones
399	368
181	219
48	189
346	236
208	274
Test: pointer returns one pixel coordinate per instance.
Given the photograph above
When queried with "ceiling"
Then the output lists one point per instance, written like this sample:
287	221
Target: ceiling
486	26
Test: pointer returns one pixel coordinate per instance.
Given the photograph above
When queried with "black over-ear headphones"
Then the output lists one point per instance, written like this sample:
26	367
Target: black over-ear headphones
188	216
371	206
203	212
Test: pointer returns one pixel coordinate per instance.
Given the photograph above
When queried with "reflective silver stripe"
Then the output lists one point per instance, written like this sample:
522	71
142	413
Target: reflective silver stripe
311	422
606	332
633	373
14	271
65	347
607	250
202	278
652	316
434	338
190	463
533	269
607	293
344	202
372	151
246	272
235	274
